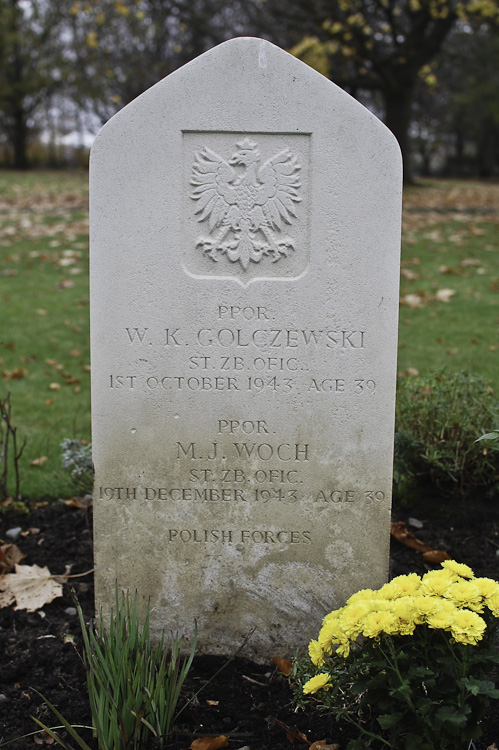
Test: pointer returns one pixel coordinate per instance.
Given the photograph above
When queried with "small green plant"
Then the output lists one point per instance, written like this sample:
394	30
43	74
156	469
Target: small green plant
436	453
77	457
407	664
494	435
133	687
10	453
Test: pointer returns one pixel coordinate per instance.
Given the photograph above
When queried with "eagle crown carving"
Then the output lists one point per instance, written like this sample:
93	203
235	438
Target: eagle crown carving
246	204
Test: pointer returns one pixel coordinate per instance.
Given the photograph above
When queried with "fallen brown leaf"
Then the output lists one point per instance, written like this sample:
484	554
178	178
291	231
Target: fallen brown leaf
39	461
210	743
435	556
10	556
409	275
411	300
444	295
31	587
292	734
65	284
17	373
400	531
283	665
43	738
322	744
79	502
470	262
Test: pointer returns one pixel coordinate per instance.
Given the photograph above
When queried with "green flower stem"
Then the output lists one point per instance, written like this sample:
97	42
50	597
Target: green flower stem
393	664
366	732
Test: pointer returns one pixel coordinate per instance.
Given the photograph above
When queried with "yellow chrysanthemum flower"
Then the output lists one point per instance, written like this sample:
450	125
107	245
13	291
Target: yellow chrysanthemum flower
329	634
468	627
440	620
332	616
400	586
316	683
343	649
486	586
436	582
363	595
460	569
465	594
404	611
389	590
492	603
316	653
447	606
352	617
379	622
408	585
425	606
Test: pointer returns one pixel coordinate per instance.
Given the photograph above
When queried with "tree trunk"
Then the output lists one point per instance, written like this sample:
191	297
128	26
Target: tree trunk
20	140
398	118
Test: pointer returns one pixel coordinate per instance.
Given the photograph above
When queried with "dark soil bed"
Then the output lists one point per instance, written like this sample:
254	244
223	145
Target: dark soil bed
250	704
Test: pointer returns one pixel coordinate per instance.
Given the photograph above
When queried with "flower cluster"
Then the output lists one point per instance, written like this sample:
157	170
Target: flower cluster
451	599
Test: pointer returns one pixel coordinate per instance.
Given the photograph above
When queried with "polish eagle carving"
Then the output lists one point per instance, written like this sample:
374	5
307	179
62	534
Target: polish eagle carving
246	204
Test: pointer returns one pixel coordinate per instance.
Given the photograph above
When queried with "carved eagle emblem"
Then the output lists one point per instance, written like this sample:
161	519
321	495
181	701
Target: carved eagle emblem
246	204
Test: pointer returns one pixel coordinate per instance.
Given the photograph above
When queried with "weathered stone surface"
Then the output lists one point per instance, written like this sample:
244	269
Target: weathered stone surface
245	236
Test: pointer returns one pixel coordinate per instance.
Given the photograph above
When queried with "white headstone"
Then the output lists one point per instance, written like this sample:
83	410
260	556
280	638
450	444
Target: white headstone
245	237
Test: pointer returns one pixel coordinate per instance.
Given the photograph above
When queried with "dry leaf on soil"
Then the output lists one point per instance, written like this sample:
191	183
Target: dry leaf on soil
283	665
210	743
31	587
400	531
435	556
10	556
43	738
79	502
292	734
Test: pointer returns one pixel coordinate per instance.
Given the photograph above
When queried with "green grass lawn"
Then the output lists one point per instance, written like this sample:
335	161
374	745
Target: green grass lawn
449	314
44	330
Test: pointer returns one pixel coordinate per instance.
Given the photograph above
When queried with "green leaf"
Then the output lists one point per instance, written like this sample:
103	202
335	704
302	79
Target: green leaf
451	717
489	436
404	690
67	726
416	742
480	687
387	721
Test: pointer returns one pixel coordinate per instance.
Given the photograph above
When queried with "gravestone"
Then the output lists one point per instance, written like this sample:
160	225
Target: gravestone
245	237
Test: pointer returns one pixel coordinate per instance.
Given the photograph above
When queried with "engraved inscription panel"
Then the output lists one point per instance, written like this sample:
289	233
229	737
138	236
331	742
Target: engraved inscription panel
246	211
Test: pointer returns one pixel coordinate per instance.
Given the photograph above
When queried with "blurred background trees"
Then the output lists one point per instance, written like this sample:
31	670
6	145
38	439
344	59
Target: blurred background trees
427	67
